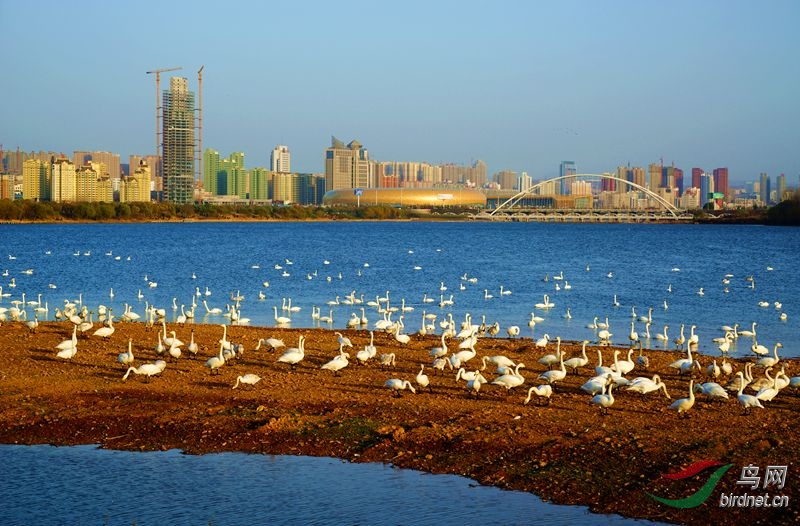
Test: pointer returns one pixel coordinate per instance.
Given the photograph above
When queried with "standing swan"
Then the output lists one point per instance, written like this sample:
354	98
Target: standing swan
747	401
422	379
604	400
106	332
215	362
126	358
682	405
294	355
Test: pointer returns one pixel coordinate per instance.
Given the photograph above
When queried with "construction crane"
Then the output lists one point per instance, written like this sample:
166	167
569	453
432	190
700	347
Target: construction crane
199	158
158	73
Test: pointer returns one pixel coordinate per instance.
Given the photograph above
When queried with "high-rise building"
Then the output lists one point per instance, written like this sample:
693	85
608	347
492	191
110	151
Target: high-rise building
136	187
566	168
346	166
178	148
580	188
36	180
474	176
781	187
765	189
7	186
312	188
524	182
721	181
280	160
212	165
654	173
238	181
506	179
678	179
63	181
152	161
696	173
706	188
109	160
259	183
639	176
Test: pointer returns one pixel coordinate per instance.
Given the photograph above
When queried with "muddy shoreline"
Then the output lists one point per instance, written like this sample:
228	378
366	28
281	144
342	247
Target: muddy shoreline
565	451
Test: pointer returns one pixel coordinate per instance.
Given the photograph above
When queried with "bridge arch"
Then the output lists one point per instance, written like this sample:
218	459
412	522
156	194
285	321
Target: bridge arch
513	200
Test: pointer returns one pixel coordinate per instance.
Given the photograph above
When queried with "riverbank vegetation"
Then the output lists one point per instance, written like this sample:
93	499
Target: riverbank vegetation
785	213
33	211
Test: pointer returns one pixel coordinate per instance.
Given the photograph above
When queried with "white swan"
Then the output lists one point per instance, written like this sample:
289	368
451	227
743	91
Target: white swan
465	375
578	361
549	360
680	340
556	375
623	366
396	385
545	304
542	342
544	391
596	384
280	320
387	359
770	361
751	332
633	336
68	353
604	400
247	379
106	332
215	362
747	401
438	352
646	385
214	310
338	363
422	379
712	390
682	405
499	361
511	379
147	369
126	358
72	342
192	347
294	355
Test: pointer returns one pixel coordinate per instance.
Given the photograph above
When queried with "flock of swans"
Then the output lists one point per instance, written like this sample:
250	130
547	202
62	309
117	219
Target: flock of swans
457	350
391	319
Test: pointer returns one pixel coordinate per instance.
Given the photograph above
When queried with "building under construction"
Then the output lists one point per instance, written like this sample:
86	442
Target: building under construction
178	146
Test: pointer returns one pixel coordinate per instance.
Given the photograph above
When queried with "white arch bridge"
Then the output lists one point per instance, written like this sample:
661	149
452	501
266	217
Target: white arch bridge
641	205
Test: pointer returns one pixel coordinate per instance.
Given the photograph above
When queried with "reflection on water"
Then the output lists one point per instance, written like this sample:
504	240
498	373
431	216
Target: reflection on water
83	485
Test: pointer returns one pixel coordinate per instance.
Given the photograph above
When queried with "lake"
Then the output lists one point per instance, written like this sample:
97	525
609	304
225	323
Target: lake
45	485
643	267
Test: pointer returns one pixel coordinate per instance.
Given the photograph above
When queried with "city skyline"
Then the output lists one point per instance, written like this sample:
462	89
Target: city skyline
460	83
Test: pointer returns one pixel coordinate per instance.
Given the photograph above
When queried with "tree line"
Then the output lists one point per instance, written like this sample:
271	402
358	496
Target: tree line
36	211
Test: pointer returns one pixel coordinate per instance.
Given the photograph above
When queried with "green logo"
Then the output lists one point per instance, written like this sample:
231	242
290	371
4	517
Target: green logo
701	495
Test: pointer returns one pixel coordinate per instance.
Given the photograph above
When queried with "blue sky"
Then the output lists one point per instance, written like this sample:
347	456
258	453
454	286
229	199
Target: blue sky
519	84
